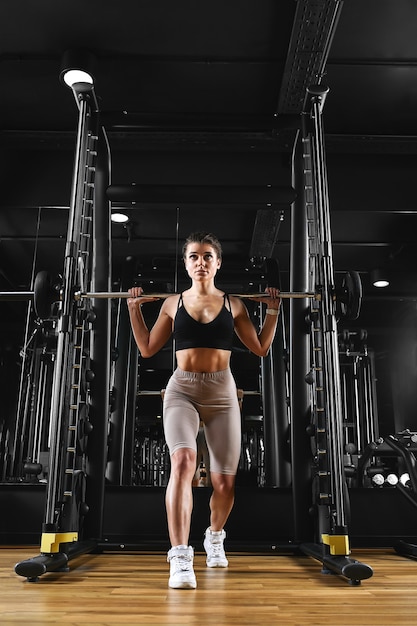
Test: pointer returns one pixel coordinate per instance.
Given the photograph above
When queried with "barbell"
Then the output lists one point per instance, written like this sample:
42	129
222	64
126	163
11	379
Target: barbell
79	295
45	294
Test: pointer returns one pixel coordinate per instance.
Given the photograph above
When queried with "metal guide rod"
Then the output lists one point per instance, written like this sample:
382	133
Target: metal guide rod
121	294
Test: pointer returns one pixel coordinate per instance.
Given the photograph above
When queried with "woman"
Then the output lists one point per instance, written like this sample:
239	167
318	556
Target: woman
202	320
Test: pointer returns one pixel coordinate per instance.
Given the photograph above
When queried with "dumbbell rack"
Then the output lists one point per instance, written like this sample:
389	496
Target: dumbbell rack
330	497
403	447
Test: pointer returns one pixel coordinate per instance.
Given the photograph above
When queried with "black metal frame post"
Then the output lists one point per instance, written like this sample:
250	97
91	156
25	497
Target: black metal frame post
120	464
65	499
330	489
276	412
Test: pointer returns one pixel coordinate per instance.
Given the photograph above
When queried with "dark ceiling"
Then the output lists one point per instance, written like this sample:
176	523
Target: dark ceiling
201	102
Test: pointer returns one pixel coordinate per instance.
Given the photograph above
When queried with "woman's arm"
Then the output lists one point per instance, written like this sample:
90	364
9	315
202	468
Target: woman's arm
148	341
257	342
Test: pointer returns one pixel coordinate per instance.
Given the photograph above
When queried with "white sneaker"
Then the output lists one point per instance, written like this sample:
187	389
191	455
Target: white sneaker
213	545
182	574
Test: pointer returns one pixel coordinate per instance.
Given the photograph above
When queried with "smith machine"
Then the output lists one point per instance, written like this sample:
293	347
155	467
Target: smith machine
79	405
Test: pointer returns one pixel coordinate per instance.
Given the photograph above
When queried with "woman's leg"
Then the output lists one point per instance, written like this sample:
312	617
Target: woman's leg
221	504
179	495
222	499
222	425
181	425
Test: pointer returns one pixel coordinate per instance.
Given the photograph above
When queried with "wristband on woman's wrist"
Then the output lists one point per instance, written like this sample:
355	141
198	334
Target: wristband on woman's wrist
272	311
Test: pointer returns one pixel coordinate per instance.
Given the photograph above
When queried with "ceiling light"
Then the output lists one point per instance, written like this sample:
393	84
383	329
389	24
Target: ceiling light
381	283
119	218
77	69
379	278
71	77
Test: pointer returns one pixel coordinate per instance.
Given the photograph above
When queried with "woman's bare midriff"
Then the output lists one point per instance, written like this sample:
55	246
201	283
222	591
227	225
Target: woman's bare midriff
203	359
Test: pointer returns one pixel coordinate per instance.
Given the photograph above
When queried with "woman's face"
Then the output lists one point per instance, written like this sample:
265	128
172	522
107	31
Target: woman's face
201	261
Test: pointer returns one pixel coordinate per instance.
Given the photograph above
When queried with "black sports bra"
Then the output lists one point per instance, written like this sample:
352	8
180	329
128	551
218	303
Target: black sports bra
188	333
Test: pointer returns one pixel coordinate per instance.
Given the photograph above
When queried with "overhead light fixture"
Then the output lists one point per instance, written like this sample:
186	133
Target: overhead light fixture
70	77
379	278
77	70
119	218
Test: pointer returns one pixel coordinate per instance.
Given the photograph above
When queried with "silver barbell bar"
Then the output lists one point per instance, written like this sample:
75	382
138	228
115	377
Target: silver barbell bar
79	295
44	296
124	294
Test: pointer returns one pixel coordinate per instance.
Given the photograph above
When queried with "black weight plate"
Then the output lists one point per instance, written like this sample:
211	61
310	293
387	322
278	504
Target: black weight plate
351	297
43	295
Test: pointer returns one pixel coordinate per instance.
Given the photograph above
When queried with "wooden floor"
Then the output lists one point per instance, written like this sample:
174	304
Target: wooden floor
131	588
